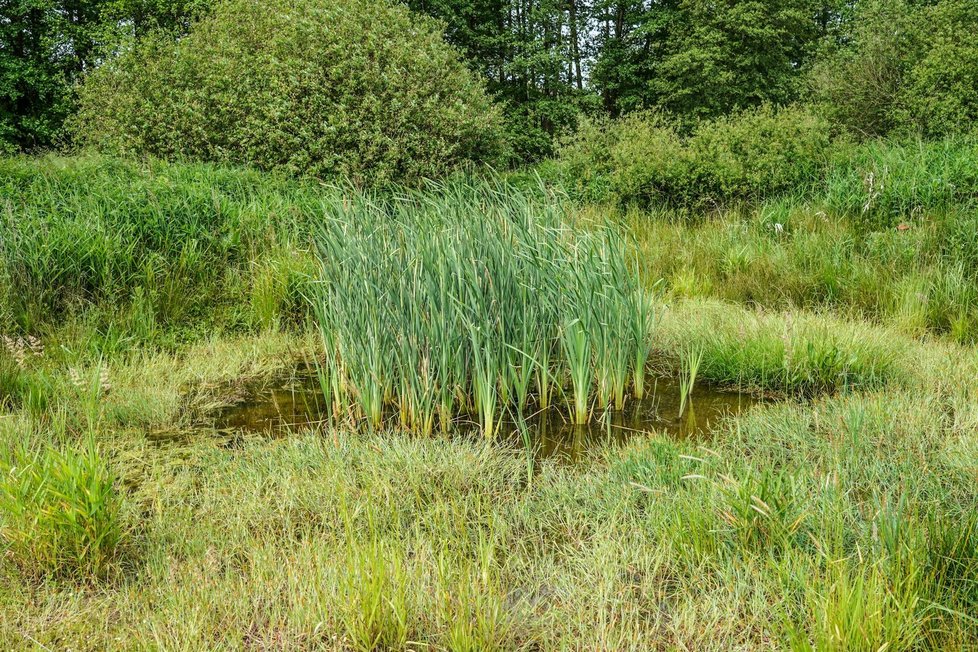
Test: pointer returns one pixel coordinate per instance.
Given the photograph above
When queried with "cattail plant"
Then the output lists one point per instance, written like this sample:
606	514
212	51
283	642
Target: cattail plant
472	299
577	352
642	324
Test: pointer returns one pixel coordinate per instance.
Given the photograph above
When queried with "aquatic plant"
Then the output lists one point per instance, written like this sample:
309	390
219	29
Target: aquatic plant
642	322
577	350
473	299
692	358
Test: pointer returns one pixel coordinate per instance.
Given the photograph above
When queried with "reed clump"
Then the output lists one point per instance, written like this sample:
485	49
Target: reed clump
60	512
473	299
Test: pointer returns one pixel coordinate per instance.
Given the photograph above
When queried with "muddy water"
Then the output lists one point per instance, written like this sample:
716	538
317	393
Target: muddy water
554	436
296	403
279	406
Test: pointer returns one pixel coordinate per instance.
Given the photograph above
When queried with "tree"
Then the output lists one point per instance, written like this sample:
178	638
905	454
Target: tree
901	67
140	17
727	56
533	55
702	58
941	92
33	73
631	41
859	82
46	44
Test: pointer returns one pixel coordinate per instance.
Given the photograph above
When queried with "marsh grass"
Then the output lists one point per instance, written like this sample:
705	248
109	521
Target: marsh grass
473	604
474	298
794	354
375	596
879	184
691	360
801	254
160	249
60	512
841	521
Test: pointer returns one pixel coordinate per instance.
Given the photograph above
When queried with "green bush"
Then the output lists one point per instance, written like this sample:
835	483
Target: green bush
643	160
758	154
353	89
637	159
59	513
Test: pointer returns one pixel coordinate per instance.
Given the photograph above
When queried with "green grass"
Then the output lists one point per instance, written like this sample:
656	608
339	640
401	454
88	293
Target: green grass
880	184
796	255
143	251
796	354
59	511
840	523
839	518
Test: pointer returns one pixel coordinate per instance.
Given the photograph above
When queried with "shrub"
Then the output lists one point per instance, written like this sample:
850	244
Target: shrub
641	159
759	153
637	159
357	89
60	513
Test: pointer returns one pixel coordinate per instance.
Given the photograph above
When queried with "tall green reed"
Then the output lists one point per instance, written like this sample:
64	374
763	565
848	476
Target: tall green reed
691	361
473	298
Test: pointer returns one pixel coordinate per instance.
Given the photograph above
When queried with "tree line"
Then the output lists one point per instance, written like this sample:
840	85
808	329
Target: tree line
877	66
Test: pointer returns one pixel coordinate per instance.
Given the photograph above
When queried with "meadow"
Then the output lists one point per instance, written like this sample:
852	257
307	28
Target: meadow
139	298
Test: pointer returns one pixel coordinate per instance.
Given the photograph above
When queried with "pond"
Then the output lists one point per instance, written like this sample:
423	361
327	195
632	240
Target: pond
278	407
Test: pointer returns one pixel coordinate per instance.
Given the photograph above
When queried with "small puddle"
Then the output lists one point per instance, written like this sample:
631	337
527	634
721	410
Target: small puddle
275	409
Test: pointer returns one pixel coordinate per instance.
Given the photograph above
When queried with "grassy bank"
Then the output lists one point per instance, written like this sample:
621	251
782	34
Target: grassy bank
147	252
918	276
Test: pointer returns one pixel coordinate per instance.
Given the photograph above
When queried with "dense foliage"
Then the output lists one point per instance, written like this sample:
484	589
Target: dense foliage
353	90
705	59
874	67
644	159
45	45
552	62
905	68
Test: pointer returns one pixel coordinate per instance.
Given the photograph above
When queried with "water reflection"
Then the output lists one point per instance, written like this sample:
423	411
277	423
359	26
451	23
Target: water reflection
297	403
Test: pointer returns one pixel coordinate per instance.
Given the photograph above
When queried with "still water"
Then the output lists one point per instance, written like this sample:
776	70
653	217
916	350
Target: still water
295	403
